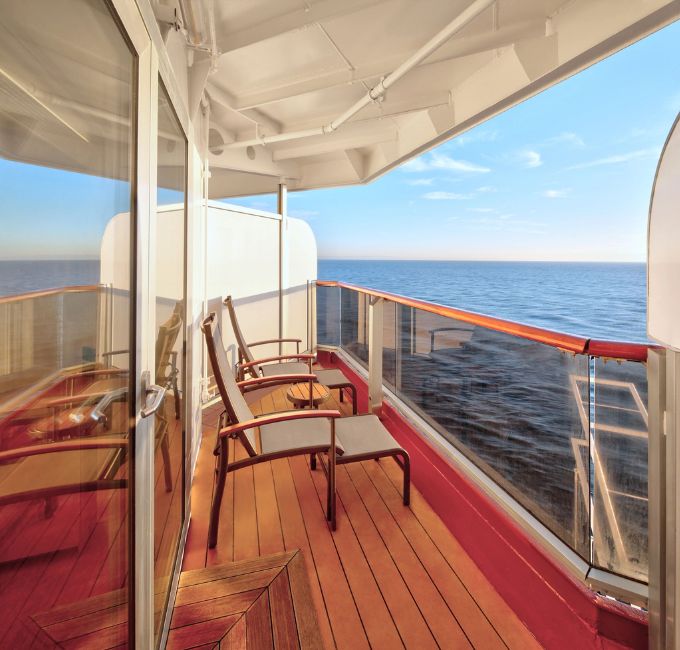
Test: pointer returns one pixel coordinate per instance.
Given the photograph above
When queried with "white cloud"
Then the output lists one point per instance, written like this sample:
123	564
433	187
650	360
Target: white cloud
446	196
485	189
556	194
566	137
421	181
441	161
617	159
530	158
481	210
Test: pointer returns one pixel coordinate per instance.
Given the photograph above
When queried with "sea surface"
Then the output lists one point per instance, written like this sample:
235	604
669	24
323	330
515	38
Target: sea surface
22	276
596	300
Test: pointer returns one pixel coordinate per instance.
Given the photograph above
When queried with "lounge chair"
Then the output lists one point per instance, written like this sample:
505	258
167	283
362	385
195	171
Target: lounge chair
292	364
289	433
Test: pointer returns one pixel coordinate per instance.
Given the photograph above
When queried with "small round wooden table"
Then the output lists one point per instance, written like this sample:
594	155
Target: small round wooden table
298	394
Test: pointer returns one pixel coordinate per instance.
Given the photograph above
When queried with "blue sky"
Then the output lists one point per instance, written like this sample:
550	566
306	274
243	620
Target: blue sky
566	175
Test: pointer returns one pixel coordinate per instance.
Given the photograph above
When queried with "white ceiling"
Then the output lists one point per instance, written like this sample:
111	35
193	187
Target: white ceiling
287	65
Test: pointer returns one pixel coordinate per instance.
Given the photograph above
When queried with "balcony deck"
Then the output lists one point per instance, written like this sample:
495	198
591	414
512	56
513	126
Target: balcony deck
389	577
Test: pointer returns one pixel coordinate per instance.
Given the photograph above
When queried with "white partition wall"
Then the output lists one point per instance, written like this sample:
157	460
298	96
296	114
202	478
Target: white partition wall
242	261
663	326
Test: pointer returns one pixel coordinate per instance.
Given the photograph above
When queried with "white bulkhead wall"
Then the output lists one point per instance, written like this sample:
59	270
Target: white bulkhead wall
663	269
242	260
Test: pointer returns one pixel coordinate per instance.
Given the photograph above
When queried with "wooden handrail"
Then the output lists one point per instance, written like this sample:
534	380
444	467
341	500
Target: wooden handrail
577	344
256	343
273	418
273	380
29	295
65	445
282	357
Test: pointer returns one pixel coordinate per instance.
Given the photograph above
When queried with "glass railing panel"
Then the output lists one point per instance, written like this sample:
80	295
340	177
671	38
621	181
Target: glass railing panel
328	316
354	324
390	347
619	467
516	408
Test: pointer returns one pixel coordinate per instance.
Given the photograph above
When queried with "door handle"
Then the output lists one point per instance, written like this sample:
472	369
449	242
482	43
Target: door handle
158	393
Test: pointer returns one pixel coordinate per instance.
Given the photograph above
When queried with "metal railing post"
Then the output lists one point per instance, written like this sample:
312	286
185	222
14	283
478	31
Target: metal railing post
375	355
658	615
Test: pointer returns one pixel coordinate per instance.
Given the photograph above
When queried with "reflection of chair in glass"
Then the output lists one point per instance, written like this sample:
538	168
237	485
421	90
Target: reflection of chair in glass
46	471
289	433
167	371
92	406
284	364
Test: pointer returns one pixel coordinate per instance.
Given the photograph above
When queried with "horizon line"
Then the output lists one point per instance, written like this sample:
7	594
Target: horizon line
432	259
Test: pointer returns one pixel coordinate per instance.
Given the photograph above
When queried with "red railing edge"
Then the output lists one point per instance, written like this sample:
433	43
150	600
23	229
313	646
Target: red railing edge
617	350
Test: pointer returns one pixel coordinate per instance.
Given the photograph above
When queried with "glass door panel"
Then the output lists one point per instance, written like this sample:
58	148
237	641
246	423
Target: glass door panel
170	308
67	143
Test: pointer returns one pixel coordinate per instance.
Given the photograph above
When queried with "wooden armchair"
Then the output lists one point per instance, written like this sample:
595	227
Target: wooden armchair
289	433
289	364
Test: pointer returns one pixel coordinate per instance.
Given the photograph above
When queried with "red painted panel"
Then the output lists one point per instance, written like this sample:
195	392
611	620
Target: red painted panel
561	612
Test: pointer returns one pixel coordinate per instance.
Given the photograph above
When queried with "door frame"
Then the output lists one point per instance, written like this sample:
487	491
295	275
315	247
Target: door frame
138	23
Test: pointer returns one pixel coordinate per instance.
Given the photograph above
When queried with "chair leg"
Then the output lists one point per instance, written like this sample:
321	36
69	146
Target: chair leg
352	387
50	507
312	461
330	515
222	468
175	391
407	478
342	394
167	470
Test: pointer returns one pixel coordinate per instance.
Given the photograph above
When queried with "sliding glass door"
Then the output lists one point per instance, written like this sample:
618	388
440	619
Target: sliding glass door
168	245
69	393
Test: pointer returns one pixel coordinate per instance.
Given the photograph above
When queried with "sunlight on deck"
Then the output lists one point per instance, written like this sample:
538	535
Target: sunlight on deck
389	577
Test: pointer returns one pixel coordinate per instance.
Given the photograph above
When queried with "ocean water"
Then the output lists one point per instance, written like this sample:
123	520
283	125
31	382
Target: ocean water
22	276
516	408
596	300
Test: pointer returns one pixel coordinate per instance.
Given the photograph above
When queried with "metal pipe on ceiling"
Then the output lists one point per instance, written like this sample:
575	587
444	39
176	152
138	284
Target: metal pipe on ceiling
379	89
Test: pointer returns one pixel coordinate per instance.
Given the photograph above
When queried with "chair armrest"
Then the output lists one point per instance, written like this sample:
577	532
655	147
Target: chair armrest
284	416
283	357
115	352
274	380
65	445
252	345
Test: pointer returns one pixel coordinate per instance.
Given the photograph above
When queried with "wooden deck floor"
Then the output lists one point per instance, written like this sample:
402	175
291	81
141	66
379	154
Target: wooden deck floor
389	577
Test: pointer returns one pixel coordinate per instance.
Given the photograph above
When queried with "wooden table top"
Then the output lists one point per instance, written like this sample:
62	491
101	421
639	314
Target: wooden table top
298	394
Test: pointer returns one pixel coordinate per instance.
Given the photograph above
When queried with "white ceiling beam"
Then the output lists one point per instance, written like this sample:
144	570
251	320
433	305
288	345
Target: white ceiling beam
226	99
457	49
198	78
262	163
392	106
301	18
374	134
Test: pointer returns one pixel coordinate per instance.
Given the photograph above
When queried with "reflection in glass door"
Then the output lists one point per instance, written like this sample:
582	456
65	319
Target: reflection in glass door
170	310
67	143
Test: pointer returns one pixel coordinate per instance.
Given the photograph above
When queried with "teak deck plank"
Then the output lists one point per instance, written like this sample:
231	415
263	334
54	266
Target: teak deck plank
389	577
378	622
237	606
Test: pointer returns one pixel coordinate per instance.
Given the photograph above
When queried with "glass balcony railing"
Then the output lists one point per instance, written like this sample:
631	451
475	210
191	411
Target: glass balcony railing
559	422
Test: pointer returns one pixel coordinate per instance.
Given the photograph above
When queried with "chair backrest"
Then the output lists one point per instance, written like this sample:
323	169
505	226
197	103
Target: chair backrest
234	403
165	343
247	355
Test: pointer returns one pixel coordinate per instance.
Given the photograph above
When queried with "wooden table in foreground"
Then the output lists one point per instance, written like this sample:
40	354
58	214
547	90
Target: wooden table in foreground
298	394
263	603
